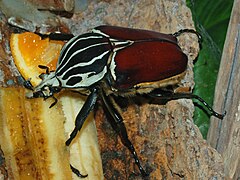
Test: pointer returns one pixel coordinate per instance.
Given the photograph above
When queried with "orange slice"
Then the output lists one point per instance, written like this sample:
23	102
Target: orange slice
38	139
29	51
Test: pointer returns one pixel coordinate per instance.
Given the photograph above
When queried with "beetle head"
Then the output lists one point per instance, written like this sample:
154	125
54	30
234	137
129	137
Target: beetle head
47	88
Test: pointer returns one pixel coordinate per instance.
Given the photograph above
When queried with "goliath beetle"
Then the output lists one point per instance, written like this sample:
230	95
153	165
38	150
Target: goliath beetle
115	61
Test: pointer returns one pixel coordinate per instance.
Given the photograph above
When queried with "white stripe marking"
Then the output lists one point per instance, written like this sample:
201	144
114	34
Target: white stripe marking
61	66
85	63
86	81
76	41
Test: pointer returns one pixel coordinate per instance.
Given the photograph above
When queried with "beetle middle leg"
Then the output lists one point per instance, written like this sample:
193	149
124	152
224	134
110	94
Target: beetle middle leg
117	123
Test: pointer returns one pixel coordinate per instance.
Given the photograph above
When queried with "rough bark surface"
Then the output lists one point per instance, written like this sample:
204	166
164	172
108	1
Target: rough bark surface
169	144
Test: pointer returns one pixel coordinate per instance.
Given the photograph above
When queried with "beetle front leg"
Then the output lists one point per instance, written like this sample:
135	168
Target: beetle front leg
117	123
80	119
83	114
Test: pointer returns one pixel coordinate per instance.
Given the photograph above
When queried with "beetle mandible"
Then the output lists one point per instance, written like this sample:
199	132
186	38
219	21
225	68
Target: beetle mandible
115	61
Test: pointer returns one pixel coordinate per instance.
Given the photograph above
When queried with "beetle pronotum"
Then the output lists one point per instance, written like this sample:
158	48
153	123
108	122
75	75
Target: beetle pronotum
114	61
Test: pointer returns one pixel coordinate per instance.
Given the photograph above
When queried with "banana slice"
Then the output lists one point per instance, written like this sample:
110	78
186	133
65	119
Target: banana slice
33	138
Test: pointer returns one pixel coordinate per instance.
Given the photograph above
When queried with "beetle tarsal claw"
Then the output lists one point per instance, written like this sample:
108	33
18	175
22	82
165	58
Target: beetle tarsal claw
218	115
54	103
77	172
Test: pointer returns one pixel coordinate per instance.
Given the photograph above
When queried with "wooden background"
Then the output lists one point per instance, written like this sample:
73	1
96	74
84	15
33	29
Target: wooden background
224	135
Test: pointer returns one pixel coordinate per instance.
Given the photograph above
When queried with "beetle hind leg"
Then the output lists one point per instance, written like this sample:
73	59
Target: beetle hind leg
117	123
169	95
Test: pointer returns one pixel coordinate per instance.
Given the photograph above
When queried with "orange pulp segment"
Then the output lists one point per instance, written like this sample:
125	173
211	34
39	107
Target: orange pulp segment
29	51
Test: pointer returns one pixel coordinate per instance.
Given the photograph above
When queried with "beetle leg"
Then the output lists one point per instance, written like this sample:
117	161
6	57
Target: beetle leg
80	119
168	95
118	125
54	103
56	36
83	113
78	92
27	84
181	31
199	36
45	68
76	171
